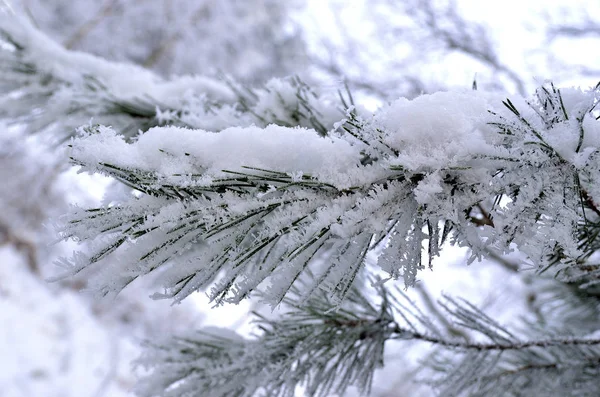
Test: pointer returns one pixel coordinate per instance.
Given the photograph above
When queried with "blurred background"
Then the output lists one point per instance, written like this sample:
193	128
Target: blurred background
57	341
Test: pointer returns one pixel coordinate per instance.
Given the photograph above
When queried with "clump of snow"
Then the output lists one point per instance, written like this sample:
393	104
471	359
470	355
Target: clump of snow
290	102
198	110
436	131
278	96
577	101
427	188
591	126
175	151
578	125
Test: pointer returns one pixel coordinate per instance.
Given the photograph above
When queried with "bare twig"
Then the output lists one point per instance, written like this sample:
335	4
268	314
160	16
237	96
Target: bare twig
404	334
21	244
87	27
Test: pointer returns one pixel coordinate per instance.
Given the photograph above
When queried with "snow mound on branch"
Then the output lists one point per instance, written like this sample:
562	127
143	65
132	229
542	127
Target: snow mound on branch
437	131
170	151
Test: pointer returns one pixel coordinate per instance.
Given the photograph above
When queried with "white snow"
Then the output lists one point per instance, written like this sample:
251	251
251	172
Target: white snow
171	150
437	131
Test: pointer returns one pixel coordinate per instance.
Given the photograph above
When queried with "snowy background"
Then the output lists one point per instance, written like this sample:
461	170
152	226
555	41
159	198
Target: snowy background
56	340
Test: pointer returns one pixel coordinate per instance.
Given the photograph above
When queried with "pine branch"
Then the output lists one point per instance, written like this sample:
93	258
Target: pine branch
311	347
282	219
506	366
281	197
49	88
325	351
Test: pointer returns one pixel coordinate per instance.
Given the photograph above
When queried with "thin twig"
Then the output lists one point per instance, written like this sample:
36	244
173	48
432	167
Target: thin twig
406	334
87	27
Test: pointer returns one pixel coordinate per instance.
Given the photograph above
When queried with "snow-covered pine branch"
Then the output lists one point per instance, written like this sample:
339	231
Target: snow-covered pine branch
228	210
48	88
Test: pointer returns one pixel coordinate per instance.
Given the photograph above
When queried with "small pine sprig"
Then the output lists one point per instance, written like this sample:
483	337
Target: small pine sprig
545	363
557	155
312	348
309	347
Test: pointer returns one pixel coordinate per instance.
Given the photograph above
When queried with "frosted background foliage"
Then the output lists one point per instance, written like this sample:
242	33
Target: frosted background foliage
430	45
252	40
